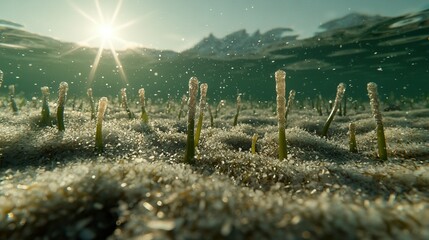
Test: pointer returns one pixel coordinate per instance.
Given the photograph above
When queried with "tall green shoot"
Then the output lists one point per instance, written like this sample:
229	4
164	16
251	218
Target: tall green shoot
203	98
102	106
280	77
341	88
375	107
62	95
144	117
190	142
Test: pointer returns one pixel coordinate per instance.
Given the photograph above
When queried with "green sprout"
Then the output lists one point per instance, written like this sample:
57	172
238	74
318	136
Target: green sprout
345	107
375	106
13	104
203	96
168	109
46	115
341	88
219	107
280	77
190	146
125	103
34	102
238	110
290	102
254	139
102	106
319	103
1	78
144	117
62	95
91	102
352	138
182	106
211	115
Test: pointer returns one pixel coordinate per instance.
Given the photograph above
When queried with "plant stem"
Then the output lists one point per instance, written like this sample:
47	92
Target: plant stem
254	139
102	106
352	138
280	77
340	92
190	146
46	115
375	106
144	117
203	96
62	94
238	110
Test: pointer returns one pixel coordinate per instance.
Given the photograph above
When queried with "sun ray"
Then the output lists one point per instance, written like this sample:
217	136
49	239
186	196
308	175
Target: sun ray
125	25
100	12
81	12
115	14
118	62
105	31
77	47
95	64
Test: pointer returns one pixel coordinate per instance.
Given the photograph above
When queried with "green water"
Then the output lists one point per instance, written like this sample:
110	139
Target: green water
394	53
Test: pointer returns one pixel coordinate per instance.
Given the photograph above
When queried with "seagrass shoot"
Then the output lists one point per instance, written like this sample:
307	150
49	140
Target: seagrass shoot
375	107
280	77
203	98
341	88
91	102
62	96
102	106
12	101
144	116
46	114
190	140
238	104
124	103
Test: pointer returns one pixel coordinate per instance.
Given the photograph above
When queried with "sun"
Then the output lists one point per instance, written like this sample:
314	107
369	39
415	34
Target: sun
105	30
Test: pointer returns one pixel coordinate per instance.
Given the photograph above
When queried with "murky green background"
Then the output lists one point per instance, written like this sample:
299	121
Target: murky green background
394	53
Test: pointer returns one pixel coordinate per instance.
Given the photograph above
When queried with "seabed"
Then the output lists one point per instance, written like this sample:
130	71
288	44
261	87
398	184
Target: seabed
55	185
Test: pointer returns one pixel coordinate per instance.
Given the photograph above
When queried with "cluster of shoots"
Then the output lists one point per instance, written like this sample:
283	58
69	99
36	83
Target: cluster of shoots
144	117
190	144
46	115
102	106
12	99
203	97
238	110
62	95
193	135
125	103
280	77
375	107
91	102
340	93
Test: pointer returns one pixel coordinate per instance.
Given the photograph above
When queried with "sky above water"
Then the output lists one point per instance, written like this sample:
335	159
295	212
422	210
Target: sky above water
179	24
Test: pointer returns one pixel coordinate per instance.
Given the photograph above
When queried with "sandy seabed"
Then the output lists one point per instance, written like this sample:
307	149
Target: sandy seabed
53	185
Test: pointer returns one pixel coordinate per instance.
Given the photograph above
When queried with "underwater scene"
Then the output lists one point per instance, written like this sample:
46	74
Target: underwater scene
252	133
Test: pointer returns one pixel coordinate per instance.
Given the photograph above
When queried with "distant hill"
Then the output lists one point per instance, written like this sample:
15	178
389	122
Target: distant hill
12	37
10	24
240	43
352	20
